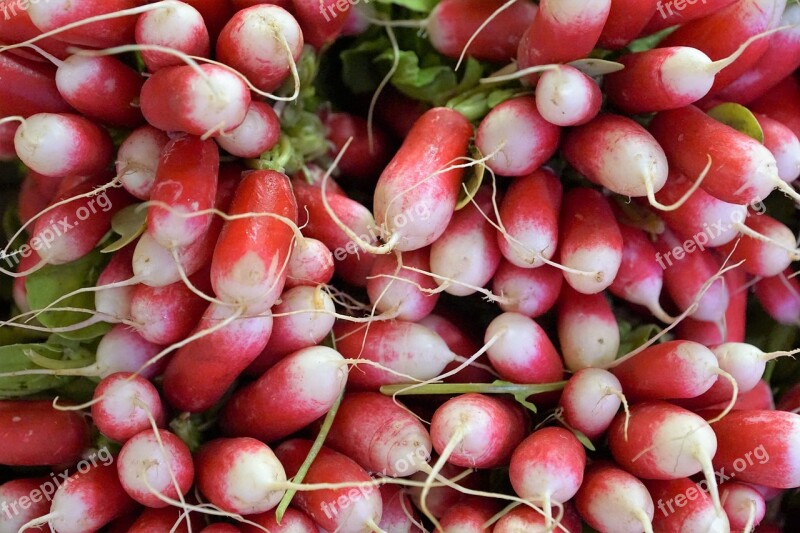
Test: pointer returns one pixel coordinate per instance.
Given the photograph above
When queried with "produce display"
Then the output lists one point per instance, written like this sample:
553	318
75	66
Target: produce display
352	266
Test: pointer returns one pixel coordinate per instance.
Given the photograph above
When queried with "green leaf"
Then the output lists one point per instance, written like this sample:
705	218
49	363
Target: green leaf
54	281
473	178
129	223
14	358
739	118
418	81
422	6
646	43
632	338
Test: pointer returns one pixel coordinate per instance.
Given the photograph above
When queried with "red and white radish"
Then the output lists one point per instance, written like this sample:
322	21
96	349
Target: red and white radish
590	401
522	352
126	403
587	330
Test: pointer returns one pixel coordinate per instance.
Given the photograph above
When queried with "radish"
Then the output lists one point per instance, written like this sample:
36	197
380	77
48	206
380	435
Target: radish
303	318
400	292
467	254
316	376
116	301
522	352
527	291
767	247
36	434
742	169
319	28
112	30
477	431
565	96
783	144
463	345
7	152
781	103
155	461
63	144
398	514
590	401
417	192
206	100
15	510
516	138
684	506
759	397
443	500
610	499
780	297
222	353
126	404
347	510
258	132
248	268
617	153
528	235
293	521
18	28
744	505
470	514
590	241
175	25
626	20
263	42
240	475
124	350
137	160
524	518
379	435
215	14
669	14
709	333
587	330
310	264
32	198
363	162
548	467
29	88
790	399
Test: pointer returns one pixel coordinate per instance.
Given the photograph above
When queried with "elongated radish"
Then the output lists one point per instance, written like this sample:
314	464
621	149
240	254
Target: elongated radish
406	294
528	291
262	42
590	401
767	246
319	28
587	329
711	334
112	31
759	397
379	435
15	514
58	145
462	344
36	434
565	96
126	403
137	160
316	377
516	137
417	192
522	352
124	350
683	505
362	162
781	103
258	132
784	145
240	475
310	264
249	263
29	88
744	505
780	297
668	14
611	499
626	20
176	25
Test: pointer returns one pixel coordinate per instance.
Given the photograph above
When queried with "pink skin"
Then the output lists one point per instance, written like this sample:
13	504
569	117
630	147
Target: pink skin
740	502
719	34
547	467
611	499
314	17
759	397
137	160
240	475
442	499
315	376
143	458
487	428
742	169
452	23
126	403
186	180
567	97
116	302
528	291
7	131
359	164
664	18
363	505
761	258
524	518
590	240
404	347
742	432
294	331
669	370
782	103
392	295
310	264
617	153
177	26
18	28
89	500
780	297
783	144
562	31
179	99
626	20
102	88
252	43
112	32
380	435
522	353
469	515
63	144
697	512
415	196
532	228
702	217
32	198
518	136
293	521
590	402
124	350
398	512
37	434
199	373
468	251
258	133
790	400
462	344
353	264
587	329
29	87
684	275
12	491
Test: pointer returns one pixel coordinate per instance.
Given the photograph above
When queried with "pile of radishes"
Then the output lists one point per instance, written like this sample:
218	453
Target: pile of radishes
505	288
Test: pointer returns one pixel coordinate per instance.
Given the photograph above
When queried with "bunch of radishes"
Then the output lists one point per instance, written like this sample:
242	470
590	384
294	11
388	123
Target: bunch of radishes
519	306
